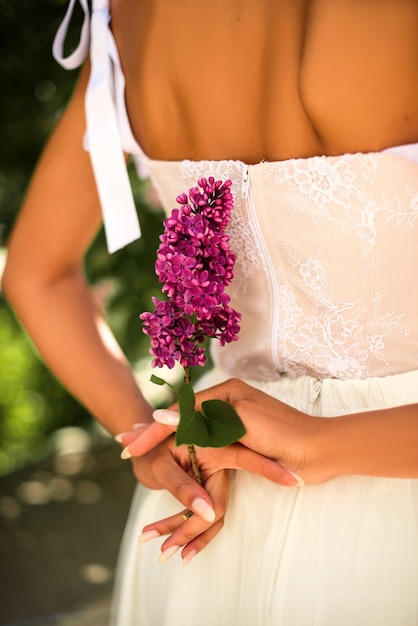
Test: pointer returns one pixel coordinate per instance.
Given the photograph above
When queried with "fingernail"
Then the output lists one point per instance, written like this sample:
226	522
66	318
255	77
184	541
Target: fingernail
202	508
299	481
119	438
166	416
164	556
148	536
189	557
125	454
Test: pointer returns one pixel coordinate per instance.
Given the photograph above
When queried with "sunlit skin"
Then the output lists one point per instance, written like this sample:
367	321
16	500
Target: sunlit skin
212	79
270	80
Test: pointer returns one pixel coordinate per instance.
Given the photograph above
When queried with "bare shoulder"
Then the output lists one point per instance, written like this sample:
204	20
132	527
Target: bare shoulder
269	79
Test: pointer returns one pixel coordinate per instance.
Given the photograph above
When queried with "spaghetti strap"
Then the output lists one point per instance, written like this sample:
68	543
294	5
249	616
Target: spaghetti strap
103	136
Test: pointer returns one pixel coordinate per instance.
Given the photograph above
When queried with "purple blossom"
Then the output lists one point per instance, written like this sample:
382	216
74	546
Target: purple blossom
194	264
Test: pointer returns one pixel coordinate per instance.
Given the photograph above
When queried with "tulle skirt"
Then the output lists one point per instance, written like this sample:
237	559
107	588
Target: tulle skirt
340	553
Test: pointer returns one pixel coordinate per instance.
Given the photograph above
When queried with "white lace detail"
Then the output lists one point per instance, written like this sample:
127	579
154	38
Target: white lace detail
326	180
193	170
381	326
241	230
331	337
246	245
318	185
400	212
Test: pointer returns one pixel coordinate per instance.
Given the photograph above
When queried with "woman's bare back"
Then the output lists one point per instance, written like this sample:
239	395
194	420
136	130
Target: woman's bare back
269	79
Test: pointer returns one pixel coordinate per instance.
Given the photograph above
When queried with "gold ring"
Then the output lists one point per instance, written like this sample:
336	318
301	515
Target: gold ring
186	515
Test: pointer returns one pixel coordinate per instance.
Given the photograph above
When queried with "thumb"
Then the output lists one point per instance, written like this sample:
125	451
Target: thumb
164	425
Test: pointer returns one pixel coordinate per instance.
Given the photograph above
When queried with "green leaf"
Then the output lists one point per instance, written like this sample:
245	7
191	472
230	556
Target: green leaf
217	426
193	429
157	380
160	381
223	423
186	401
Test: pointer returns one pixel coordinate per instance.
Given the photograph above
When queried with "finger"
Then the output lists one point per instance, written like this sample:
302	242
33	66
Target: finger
163	527
170	525
231	390
183	487
200	542
194	547
237	456
146	439
127	438
184	533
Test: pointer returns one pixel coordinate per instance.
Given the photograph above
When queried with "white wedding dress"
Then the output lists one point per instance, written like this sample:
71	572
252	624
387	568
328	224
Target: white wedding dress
326	281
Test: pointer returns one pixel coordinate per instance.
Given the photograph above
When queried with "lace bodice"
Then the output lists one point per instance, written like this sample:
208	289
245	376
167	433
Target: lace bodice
327	247
326	252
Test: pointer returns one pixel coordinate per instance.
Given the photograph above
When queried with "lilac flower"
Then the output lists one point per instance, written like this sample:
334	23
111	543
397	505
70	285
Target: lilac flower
194	264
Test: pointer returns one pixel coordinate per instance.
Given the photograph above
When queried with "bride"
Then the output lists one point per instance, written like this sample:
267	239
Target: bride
310	108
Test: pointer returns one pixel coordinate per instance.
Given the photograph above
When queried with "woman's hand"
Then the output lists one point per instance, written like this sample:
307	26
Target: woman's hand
190	531
168	466
275	430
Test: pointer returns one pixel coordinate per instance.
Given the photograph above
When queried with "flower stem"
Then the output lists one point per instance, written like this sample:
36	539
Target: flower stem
187	377
196	471
191	448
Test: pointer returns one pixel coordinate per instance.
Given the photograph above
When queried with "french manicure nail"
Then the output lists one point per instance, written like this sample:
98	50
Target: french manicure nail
189	557
300	482
148	536
164	556
125	454
202	508
119	438
166	416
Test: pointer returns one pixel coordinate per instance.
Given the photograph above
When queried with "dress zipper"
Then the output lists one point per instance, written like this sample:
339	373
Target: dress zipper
245	185
274	329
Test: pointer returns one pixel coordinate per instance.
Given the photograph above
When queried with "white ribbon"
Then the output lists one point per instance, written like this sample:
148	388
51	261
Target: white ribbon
76	58
103	132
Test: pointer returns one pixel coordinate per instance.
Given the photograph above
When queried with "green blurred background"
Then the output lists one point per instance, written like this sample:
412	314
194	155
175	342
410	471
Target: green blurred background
35	89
